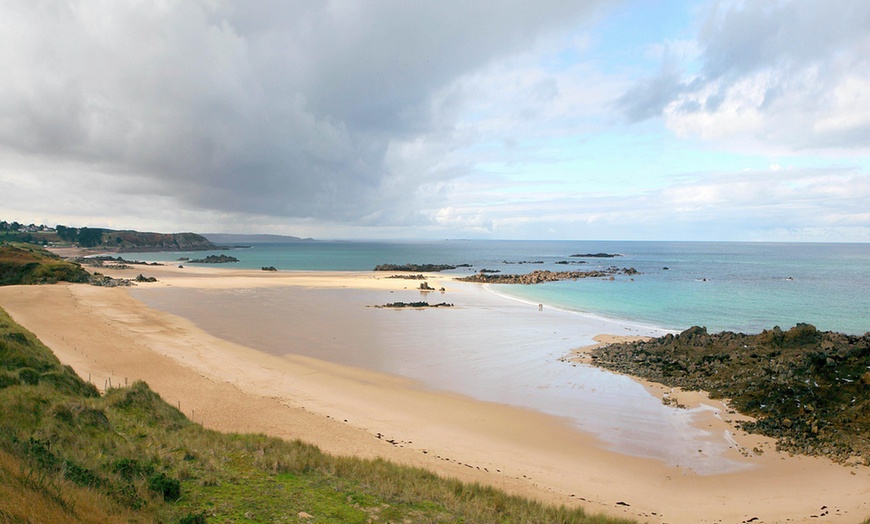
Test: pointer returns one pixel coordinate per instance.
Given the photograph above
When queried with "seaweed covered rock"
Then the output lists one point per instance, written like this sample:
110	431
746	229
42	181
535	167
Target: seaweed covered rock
542	276
215	259
807	388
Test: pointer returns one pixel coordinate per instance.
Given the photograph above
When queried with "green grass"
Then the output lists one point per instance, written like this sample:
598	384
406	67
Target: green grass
65	449
29	264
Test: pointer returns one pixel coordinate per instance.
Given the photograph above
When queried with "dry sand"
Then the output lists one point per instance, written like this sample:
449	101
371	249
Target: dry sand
105	334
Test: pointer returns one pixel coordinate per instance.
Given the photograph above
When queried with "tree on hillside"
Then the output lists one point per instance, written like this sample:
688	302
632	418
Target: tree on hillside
88	237
68	234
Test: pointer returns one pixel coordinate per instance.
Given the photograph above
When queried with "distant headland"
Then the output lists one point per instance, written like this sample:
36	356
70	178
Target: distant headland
129	240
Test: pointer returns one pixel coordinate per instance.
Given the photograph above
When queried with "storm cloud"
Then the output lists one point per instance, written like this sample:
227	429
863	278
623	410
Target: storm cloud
287	109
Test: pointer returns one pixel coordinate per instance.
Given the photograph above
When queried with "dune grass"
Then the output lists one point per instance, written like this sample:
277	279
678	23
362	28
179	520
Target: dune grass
70	454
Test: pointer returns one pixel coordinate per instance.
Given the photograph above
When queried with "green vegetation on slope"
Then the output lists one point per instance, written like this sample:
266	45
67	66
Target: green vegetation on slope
68	454
29	264
108	239
808	389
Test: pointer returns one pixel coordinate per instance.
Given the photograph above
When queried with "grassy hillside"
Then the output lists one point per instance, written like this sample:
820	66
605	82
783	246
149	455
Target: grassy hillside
69	454
29	264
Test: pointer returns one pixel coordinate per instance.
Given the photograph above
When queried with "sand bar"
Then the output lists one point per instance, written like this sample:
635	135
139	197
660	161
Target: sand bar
108	334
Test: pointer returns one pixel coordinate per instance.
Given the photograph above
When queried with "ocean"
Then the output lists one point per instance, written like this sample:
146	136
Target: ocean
742	287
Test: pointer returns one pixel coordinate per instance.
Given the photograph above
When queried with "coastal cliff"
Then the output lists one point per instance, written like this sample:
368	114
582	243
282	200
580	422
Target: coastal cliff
143	241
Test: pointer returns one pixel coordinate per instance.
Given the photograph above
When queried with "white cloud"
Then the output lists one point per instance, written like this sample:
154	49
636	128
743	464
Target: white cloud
785	75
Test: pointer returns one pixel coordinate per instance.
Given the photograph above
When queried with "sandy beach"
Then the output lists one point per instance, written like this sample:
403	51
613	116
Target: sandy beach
230	368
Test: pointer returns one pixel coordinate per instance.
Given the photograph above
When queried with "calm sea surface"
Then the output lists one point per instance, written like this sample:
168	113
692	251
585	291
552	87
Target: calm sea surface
724	286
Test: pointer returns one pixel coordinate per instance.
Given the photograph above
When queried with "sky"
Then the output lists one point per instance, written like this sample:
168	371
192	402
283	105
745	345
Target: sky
379	119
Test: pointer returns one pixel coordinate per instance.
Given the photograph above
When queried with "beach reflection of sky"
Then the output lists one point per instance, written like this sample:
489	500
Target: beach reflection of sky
487	347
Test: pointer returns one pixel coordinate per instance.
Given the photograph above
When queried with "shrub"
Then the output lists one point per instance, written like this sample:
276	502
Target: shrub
169	487
131	468
193	518
65	381
28	376
8	379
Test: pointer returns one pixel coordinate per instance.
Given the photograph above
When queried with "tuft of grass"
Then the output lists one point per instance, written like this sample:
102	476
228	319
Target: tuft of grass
32	495
65	449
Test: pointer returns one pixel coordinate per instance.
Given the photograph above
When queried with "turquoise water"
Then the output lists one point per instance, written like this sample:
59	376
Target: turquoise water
724	286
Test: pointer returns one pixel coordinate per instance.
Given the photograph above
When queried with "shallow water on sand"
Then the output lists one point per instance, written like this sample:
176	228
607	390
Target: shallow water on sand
488	347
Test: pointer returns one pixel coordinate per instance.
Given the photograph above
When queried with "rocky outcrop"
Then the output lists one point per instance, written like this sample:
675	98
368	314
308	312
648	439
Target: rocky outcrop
416	305
101	280
808	389
139	241
416	268
110	261
541	276
596	255
215	259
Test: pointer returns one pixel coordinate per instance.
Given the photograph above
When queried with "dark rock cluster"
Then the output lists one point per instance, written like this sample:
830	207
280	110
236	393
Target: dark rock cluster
399	305
596	255
541	276
215	259
808	389
425	268
101	280
116	262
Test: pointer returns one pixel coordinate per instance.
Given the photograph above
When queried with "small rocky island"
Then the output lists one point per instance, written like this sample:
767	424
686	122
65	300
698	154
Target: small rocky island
214	259
806	388
413	305
113	262
596	255
541	276
417	268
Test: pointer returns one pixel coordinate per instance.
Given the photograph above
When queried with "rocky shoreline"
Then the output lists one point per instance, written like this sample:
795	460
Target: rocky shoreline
214	259
417	268
412	305
808	389
541	276
112	262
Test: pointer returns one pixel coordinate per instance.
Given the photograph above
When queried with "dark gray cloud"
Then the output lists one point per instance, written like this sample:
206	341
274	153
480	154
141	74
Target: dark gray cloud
280	108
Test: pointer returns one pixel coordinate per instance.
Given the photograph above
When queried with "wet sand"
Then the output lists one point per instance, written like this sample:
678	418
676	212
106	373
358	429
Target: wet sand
347	409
